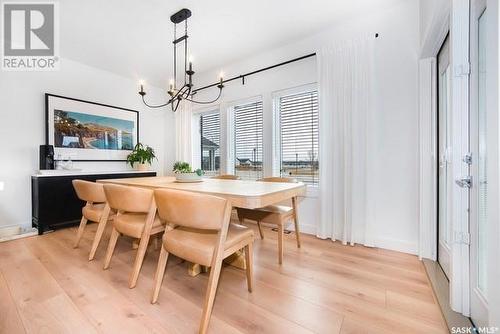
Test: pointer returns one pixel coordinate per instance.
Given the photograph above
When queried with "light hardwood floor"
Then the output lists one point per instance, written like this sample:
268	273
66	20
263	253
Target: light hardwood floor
46	286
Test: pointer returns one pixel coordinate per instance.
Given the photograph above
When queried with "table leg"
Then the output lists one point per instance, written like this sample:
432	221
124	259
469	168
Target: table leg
236	260
194	269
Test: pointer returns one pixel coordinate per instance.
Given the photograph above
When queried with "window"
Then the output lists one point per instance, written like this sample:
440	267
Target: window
210	143
299	136
248	119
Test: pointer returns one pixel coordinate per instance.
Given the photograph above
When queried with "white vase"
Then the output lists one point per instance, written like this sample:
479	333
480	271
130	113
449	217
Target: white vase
142	167
188	177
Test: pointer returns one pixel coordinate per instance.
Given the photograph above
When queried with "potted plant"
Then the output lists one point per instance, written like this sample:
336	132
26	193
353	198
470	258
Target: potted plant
184	173
142	156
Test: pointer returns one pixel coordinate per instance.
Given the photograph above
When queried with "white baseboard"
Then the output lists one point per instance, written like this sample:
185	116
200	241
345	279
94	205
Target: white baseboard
7	231
305	228
403	246
12	232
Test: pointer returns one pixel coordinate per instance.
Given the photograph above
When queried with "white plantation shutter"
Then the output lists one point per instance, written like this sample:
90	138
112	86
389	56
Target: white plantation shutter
248	137
299	136
210	143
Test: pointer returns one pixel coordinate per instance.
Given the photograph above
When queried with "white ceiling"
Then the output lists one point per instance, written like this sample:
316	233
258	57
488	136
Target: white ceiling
133	37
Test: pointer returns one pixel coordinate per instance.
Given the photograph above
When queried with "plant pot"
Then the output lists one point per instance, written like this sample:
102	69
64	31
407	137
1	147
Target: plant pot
188	177
142	167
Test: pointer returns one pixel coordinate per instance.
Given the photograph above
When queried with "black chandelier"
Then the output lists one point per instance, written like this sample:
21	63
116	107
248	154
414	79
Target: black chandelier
186	91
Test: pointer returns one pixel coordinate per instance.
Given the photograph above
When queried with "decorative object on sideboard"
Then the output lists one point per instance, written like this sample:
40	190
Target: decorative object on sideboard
184	173
89	131
46	157
185	91
142	156
65	164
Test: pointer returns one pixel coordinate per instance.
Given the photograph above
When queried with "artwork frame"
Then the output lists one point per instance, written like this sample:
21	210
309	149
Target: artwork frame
109	132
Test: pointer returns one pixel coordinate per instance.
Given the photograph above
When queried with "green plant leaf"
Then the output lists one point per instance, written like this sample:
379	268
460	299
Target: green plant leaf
181	167
141	154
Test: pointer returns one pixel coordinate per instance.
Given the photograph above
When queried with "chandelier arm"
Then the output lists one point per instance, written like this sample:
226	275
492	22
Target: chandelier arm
206	102
155	106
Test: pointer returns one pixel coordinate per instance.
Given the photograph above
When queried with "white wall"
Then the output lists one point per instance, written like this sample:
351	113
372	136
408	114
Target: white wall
22	127
395	170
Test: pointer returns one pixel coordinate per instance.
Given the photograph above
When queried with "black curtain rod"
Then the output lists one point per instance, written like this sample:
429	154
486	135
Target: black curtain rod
242	76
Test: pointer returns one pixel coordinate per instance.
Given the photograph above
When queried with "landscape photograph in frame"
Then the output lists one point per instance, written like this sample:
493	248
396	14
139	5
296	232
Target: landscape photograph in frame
89	131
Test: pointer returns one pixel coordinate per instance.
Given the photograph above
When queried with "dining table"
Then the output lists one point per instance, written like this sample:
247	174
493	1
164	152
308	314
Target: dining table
248	194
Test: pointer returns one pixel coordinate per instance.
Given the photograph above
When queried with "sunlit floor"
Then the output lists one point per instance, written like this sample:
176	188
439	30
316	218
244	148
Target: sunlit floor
324	287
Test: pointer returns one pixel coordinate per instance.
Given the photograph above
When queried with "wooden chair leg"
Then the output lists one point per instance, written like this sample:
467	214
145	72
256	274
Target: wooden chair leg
99	233
97	239
210	295
260	230
111	247
79	234
141	252
296	220
280	243
160	273
249	265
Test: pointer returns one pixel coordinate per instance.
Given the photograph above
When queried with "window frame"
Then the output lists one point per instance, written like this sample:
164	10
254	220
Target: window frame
276	138
214	109
231	142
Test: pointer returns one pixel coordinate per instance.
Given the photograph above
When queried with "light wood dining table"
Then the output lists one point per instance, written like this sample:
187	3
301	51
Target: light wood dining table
241	193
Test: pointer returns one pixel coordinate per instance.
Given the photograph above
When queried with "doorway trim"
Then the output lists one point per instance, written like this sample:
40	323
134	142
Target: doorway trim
456	20
436	36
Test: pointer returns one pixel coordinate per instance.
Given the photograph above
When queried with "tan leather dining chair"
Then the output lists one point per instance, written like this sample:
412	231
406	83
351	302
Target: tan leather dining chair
226	177
135	217
202	234
96	210
277	215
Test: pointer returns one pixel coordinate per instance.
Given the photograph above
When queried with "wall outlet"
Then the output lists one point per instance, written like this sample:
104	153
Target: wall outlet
2	185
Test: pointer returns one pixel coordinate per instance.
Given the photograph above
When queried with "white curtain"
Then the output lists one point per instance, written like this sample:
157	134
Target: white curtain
346	114
183	127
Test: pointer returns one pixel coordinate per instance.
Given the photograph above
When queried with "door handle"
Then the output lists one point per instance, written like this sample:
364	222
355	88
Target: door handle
464	182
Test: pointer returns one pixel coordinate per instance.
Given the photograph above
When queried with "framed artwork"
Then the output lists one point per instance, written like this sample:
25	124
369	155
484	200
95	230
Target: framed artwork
89	131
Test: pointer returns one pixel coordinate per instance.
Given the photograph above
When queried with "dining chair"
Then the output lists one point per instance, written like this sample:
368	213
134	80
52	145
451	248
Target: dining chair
202	234
277	215
95	210
226	177
135	217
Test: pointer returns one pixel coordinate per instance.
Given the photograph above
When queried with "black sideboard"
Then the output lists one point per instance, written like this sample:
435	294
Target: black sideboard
54	203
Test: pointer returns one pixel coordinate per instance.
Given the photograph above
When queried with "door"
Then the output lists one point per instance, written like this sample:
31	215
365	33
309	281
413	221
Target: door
478	144
445	181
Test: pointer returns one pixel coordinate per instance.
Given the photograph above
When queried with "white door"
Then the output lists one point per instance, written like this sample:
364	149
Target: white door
478	144
445	181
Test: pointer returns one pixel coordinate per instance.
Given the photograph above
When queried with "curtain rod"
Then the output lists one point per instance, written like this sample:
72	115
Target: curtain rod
242	76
